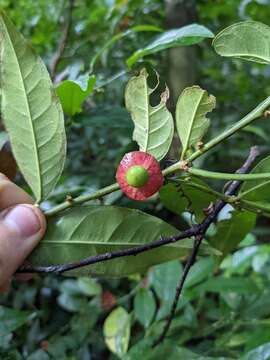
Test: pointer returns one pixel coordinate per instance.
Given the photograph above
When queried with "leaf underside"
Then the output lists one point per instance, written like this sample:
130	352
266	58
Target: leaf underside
191	121
31	112
153	125
91	230
247	40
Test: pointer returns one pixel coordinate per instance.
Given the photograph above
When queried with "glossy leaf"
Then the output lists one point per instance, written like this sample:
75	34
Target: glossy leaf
12	319
191	121
72	93
153	125
257	190
247	40
119	36
231	231
184	36
180	197
31	112
144	306
91	230
116	331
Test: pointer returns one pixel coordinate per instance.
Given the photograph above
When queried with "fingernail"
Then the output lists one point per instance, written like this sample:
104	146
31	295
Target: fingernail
23	220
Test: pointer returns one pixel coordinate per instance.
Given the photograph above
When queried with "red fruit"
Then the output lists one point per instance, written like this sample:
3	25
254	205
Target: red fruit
139	175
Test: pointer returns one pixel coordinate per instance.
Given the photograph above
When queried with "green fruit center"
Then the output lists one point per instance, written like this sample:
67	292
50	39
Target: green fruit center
137	176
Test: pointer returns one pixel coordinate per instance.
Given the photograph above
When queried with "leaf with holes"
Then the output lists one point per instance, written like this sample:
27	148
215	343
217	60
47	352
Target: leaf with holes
153	125
247	40
31	112
191	121
92	230
182	196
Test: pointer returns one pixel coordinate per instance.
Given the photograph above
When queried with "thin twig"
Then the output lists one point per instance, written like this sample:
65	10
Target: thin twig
231	190
194	230
63	41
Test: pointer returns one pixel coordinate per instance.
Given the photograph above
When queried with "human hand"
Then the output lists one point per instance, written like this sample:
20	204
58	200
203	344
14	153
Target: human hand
22	225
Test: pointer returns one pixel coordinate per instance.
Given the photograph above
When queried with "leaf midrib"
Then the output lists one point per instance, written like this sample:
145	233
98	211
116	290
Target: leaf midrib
28	107
148	115
60	242
191	124
254	188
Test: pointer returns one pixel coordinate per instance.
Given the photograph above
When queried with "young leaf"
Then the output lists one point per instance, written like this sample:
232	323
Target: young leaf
153	125
184	36
247	40
31	112
257	190
73	93
91	230
191	121
116	331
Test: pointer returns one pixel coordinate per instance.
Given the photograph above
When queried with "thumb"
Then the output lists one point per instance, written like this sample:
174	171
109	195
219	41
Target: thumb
21	228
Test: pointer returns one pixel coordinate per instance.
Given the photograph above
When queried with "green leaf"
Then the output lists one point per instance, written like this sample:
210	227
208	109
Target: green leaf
247	40
71	303
91	230
257	190
116	331
180	197
73	93
164	279
199	271
119	36
220	284
260	353
184	36
191	121
153	125
230	232
39	355
11	319
167	350
89	286
31	112
144	306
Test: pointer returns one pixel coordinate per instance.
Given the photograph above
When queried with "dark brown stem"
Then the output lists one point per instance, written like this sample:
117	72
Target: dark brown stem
232	189
195	230
63	41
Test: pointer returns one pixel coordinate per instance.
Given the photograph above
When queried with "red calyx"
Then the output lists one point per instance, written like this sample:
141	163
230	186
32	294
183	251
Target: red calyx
150	164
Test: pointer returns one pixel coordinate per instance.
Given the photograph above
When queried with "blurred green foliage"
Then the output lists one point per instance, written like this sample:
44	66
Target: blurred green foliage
224	312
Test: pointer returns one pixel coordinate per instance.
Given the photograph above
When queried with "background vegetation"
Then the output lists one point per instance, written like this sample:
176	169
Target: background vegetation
224	312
